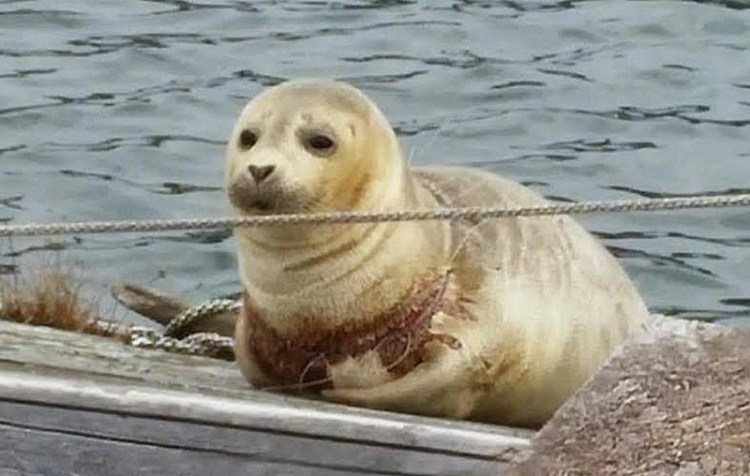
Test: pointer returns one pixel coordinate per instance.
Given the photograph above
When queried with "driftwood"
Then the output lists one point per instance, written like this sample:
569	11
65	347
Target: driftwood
86	405
674	402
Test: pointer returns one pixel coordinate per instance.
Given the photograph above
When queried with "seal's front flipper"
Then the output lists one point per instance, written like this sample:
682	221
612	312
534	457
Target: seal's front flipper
435	388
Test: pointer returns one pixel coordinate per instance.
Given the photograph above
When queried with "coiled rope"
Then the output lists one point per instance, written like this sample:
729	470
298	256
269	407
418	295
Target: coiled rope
472	213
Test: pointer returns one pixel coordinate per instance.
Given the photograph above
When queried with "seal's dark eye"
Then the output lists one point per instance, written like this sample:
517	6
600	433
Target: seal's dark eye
247	139
320	142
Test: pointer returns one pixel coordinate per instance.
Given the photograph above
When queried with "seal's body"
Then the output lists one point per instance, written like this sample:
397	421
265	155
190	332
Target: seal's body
498	321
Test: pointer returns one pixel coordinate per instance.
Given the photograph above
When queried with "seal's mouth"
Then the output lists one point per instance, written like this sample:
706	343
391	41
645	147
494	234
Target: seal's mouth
262	205
269	197
254	199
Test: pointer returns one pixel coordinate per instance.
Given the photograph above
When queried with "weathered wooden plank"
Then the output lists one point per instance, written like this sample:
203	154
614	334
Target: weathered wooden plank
674	402
98	391
31	452
258	445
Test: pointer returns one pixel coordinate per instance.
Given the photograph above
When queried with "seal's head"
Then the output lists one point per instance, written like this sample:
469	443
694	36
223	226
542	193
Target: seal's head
310	146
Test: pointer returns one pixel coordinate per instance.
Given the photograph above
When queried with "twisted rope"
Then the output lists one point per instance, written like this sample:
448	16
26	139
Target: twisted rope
473	213
214	345
206	344
203	310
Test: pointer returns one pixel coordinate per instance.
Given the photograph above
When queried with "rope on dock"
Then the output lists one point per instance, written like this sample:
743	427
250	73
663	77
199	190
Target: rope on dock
471	213
193	314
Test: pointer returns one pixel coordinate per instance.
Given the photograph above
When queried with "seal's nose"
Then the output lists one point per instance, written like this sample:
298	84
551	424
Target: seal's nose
260	173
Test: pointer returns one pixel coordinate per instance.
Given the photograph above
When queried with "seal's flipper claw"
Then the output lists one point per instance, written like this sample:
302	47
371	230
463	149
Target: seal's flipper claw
149	302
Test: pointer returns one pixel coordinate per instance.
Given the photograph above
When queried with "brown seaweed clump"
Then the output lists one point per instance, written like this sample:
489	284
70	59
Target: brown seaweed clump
52	297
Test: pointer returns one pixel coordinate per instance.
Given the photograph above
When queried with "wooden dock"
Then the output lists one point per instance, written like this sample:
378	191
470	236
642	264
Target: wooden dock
675	401
72	404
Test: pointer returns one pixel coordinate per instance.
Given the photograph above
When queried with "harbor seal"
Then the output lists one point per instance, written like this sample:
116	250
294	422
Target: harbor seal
496	321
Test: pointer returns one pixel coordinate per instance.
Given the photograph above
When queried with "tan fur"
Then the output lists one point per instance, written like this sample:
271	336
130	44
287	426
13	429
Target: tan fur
540	303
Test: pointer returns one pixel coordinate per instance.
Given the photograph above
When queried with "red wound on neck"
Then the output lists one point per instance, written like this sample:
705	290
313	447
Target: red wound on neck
302	357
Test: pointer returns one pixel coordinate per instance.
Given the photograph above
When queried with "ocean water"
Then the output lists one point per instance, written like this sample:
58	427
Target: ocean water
120	110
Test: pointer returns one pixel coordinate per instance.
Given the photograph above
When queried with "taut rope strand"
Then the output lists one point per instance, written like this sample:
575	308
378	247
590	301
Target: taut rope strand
475	213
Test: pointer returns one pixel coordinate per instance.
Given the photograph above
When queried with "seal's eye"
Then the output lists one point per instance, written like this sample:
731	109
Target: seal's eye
320	143
247	139
317	142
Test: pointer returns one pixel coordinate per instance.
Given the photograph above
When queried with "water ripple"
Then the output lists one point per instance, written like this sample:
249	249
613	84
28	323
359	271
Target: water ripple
121	110
164	188
600	145
174	188
463	60
632	113
567	74
12	202
23	73
114	143
186	6
733	4
653	194
659	260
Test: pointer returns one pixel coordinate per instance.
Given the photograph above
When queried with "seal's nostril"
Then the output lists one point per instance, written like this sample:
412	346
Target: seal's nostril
260	173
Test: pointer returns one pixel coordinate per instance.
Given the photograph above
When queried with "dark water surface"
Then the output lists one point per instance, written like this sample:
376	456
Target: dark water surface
119	110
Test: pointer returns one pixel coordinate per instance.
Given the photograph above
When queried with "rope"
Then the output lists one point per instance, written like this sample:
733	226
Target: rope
472	213
206	344
192	315
216	346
